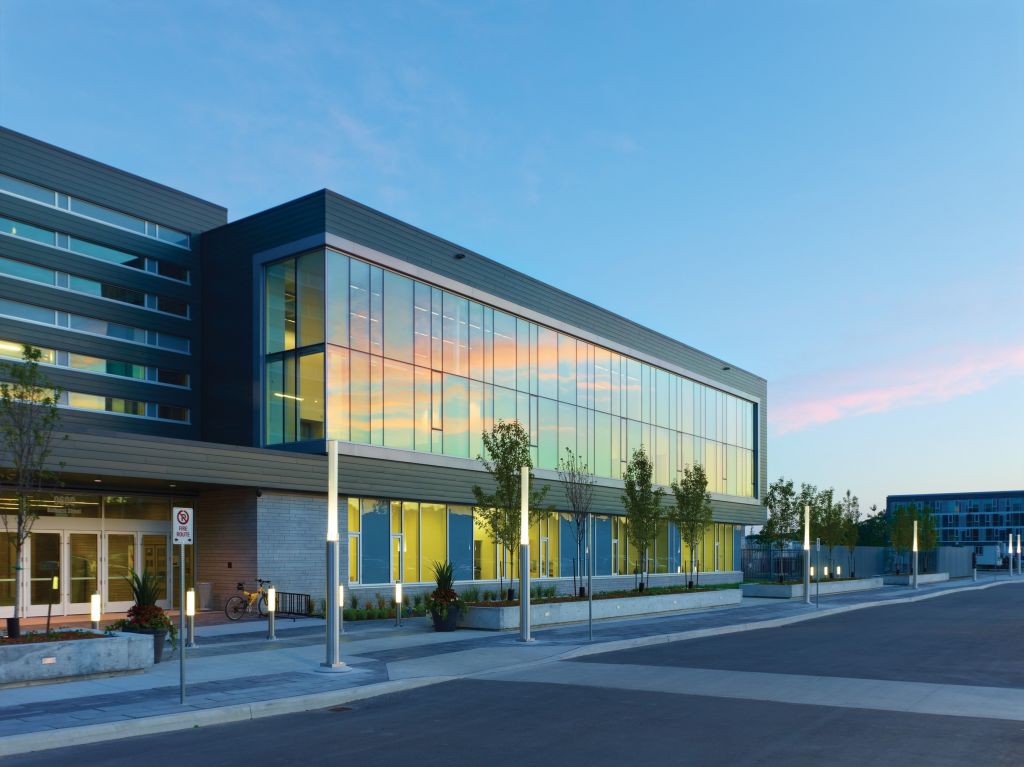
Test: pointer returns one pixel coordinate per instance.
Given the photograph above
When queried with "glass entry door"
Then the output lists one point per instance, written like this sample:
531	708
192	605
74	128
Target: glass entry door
44	551
82	576
155	560
121	560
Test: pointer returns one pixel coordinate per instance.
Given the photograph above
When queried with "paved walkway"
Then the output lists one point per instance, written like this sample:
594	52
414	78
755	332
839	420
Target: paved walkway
234	673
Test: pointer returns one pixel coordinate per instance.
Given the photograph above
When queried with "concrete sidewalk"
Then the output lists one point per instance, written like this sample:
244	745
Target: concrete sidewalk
235	673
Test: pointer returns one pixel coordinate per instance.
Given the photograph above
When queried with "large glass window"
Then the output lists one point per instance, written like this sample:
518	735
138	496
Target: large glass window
415	367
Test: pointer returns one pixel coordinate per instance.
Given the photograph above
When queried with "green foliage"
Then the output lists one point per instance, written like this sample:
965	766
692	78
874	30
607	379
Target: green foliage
145	587
382	602
874	531
782	520
490	596
360	614
444	575
348	614
508	445
28	419
578	483
444	597
471	594
551	592
830	523
355	601
692	512
417	601
643	504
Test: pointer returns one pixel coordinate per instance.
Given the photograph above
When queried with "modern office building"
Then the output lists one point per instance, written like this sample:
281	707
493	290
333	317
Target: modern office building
206	364
969	519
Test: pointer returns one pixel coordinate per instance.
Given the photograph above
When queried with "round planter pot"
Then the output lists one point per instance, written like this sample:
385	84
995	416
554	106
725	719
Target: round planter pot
14	627
159	637
448	623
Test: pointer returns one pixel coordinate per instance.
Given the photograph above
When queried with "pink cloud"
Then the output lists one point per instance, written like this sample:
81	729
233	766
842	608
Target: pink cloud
848	394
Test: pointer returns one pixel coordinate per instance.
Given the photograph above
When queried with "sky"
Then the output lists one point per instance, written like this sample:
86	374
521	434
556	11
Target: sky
827	194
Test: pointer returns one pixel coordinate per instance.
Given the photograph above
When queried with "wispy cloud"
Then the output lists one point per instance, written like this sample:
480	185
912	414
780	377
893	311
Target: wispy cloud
947	374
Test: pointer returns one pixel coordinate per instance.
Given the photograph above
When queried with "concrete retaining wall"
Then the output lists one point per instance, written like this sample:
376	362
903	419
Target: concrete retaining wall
506	618
907	580
117	652
794	590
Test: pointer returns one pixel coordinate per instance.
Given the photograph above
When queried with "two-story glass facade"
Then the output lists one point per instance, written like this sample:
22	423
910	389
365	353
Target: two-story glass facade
362	354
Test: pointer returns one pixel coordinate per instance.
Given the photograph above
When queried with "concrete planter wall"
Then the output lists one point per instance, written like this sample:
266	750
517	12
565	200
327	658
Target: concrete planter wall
119	652
794	590
506	618
908	580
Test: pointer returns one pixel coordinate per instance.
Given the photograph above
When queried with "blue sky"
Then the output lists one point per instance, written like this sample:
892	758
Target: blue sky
828	194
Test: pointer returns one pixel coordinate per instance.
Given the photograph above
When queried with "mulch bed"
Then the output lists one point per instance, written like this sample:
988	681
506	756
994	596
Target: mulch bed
655	592
39	637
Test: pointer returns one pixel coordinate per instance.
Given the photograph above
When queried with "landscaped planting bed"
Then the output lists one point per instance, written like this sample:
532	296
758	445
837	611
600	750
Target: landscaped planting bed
500	616
67	657
793	589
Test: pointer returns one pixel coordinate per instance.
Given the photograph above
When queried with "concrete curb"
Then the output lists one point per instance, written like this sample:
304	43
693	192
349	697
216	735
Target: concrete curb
186	720
50	739
682	636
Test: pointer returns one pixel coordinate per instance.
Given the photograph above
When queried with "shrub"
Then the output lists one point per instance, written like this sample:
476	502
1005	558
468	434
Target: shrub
472	594
348	614
355	601
488	596
382	602
417	601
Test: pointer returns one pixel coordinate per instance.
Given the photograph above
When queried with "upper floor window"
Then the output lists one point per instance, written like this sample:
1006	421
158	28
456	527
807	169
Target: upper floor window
43	196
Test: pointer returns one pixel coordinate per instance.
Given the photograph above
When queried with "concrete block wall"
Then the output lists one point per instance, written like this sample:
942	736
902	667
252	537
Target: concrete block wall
291	541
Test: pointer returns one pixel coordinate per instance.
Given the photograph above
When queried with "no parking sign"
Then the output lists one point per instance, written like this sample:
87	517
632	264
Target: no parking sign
183	519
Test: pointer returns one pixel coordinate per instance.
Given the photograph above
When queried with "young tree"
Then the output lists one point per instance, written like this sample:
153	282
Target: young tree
851	531
643	505
901	532
781	521
508	446
578	483
927	533
874	531
692	511
28	419
830	522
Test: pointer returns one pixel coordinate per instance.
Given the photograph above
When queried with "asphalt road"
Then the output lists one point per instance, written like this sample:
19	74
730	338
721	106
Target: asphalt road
965	639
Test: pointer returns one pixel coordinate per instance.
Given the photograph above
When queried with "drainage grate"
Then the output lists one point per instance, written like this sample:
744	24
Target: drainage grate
339	709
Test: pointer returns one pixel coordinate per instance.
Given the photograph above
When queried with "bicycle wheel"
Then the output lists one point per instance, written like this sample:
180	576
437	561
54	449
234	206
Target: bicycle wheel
262	605
235	608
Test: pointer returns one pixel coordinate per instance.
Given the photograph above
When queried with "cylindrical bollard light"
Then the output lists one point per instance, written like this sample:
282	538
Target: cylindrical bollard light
271	613
190	614
398	604
95	611
341	612
1009	557
807	554
524	555
915	553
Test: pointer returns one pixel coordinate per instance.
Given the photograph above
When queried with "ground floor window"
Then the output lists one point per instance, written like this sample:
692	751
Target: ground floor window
390	540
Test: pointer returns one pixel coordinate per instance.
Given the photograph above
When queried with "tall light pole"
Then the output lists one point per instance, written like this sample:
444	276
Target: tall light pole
1009	552
807	554
1018	554
333	648
915	553
524	554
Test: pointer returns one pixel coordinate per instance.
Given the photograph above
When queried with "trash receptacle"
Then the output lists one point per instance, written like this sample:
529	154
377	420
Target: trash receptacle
205	594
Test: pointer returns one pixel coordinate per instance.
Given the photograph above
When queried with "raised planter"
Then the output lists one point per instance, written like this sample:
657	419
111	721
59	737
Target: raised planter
546	614
908	580
794	590
47	661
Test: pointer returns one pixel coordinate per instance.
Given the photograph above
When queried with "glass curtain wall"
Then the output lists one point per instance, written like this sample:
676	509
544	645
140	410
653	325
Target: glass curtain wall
411	366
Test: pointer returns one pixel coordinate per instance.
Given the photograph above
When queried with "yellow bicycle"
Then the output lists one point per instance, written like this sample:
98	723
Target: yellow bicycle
250	601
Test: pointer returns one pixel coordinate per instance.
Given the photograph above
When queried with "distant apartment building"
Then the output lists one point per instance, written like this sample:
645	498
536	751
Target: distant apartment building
969	519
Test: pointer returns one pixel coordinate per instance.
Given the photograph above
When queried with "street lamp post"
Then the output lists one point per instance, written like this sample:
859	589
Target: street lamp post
915	553
1009	557
332	661
807	554
524	554
1018	554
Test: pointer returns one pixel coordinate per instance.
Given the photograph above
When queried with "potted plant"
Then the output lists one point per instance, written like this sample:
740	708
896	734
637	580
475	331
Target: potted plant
444	602
145	616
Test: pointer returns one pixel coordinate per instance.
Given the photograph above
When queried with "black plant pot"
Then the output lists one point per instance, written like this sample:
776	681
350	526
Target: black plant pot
13	628
511	595
448	623
583	592
641	587
159	637
689	584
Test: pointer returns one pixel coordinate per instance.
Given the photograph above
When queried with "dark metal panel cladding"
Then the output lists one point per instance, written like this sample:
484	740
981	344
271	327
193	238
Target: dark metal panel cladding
73	174
230	350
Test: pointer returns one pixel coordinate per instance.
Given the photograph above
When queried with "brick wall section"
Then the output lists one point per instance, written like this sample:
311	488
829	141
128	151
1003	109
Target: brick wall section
226	540
291	547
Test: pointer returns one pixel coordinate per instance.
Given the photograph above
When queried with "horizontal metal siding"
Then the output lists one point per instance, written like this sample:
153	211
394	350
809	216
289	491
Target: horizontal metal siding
79	176
77	421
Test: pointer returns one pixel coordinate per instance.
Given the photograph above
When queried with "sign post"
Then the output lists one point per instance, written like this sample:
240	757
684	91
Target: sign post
183	525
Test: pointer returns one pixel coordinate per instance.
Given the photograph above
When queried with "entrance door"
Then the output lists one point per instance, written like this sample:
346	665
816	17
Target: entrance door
154	560
81	579
44	565
121	559
397	558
